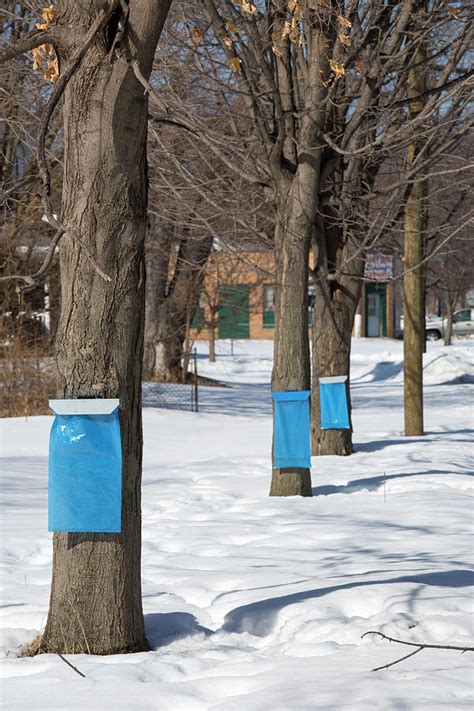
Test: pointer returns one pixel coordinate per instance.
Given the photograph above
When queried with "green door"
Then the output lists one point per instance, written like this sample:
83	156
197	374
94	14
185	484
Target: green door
375	310
234	311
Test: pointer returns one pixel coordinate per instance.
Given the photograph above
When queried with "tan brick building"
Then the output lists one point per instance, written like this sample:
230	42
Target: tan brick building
239	296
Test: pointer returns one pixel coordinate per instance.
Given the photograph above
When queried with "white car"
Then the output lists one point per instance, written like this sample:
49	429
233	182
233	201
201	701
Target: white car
463	325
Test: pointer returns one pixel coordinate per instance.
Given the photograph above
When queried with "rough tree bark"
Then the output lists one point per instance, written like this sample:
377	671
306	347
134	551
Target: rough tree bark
339	256
95	603
336	303
291	365
158	250
298	181
174	303
413	281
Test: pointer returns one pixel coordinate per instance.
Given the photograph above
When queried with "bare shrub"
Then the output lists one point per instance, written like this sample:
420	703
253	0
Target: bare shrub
26	371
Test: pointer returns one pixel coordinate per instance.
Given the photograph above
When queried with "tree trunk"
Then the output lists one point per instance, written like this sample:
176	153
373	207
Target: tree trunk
333	319
187	346
95	603
332	331
413	281
448	331
291	366
174	315
169	343
413	316
212	336
158	249
54	296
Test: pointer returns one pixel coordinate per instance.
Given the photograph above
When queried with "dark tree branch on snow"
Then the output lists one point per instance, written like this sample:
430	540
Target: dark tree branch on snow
419	647
71	665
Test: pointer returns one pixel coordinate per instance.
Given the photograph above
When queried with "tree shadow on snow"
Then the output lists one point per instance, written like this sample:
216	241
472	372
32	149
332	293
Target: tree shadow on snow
164	628
384	443
384	370
377	445
374	483
387	395
452	431
258	618
253	400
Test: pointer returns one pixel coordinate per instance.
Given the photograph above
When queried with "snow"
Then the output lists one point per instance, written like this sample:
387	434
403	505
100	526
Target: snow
257	603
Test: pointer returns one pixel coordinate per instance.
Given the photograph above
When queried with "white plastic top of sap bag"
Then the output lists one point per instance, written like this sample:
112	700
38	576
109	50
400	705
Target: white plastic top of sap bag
334	379
84	406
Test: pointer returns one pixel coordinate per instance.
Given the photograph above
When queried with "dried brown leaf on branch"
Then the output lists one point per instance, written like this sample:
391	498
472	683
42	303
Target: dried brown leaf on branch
337	68
44	56
234	64
344	39
247	7
196	35
344	22
286	29
48	16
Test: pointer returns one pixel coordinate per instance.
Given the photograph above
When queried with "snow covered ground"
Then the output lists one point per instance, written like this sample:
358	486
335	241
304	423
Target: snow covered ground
255	603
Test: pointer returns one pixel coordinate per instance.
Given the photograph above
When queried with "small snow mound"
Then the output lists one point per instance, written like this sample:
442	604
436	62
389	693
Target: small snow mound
456	366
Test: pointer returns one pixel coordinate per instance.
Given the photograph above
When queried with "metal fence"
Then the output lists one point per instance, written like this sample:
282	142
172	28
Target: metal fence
174	396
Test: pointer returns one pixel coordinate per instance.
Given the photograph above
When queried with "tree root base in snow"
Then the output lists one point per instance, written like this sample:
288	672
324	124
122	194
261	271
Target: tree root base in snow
291	482
333	443
40	646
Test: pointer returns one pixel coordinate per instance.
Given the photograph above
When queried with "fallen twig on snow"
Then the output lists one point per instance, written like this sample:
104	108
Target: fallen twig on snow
71	665
418	645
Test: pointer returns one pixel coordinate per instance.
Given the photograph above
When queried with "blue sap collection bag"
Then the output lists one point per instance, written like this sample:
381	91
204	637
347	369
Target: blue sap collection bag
85	467
291	430
333	403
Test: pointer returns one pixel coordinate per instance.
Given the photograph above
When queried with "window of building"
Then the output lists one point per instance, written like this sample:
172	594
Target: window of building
311	302
269	306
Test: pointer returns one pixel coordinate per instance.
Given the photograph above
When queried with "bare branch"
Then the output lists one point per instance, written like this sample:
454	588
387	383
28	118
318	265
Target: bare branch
98	24
71	665
391	664
46	264
32	40
73	233
32	280
425	645
181	122
433	92
419	645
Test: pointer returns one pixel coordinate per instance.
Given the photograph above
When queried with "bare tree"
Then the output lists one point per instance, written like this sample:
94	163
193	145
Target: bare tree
199	202
314	111
95	603
450	248
176	273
